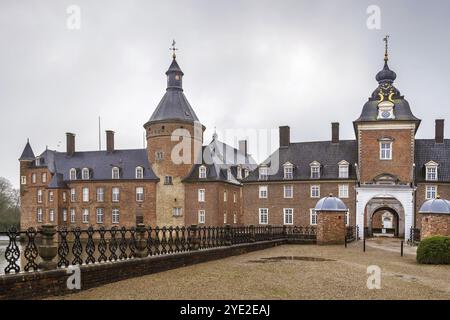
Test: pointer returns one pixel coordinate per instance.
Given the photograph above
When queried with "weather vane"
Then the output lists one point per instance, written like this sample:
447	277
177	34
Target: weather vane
386	41
173	49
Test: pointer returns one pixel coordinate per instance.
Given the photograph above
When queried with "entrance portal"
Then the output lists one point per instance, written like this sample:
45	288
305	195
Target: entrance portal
385	222
384	216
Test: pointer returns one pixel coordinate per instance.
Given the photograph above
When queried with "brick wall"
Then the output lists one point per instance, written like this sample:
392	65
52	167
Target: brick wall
443	189
435	224
330	227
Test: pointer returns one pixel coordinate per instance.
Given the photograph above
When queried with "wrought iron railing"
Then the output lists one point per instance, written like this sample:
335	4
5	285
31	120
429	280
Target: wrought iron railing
351	233
414	236
89	246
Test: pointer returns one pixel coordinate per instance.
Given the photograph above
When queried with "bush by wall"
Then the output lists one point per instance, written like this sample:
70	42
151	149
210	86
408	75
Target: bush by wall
434	250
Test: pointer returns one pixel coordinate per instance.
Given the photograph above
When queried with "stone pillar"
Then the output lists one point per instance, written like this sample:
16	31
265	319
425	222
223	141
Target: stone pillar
141	241
435	218
48	247
330	221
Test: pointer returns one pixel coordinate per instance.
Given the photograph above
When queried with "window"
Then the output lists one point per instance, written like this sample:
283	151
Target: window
430	192
234	197
85	174
225	217
229	175
39	215
343	191
315	191
115	215
73	174
225	196
385	150
23	180
39	196
347	218
100	194
38	161
343	170
288	171
64	215
85	194
315	172
168	180
115	173
312	217
263	192
159	155
263	216
64	196
431	173
33	178
246	172
44	177
288	214
72	215
263	173
115	194
176	212
202	172
234	217
201	195
100	215
50	196
201	216
139	173
51	215
288	191
85	215
73	195
140	194
239	172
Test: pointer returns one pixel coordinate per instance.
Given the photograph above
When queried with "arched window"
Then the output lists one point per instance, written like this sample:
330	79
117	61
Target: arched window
115	173
85	174
73	174
202	172
139	173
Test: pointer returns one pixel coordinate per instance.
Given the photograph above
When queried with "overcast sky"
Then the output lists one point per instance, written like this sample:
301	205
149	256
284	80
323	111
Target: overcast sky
247	64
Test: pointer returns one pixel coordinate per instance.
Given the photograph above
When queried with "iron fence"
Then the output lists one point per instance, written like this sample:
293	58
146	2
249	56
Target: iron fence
414	236
351	233
89	246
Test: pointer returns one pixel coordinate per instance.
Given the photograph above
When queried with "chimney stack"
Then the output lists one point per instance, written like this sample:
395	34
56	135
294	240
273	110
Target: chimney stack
285	136
109	141
439	131
335	132
243	146
70	144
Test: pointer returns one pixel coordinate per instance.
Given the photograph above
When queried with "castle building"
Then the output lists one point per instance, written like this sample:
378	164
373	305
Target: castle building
383	176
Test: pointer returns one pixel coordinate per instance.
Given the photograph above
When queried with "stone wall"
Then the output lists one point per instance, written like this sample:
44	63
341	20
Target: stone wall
435	224
330	227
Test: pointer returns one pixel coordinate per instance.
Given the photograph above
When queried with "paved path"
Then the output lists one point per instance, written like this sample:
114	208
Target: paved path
391	244
253	276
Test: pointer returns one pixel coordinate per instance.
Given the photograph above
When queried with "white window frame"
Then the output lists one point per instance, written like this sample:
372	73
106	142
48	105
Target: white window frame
263	173
85	194
44	177
39	196
429	174
39	215
263	192
225	196
64	196
225	217
313	217
315	171
229	175
85	174
239	172
73	195
51	215
343	191
288	216
100	215
263	216
347	218
139	194
288	172
311	191
431	194
115	194
115	216
246	173
202	172
23	180
85	215
50	196
343	171
201	216
286	187
73	174
234	197
33	178
168	180
100	194
72	215
64	215
201	195
139	172
177	211
385	150
115	173
235	217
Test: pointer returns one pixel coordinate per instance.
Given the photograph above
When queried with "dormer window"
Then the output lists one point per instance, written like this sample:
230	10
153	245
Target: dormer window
246	173
315	170
115	173
431	169
73	174
288	171
343	169
38	161
239	172
229	176
202	172
139	173
85	174
263	173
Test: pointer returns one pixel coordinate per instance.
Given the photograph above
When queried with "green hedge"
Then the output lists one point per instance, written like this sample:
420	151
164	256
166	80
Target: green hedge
434	250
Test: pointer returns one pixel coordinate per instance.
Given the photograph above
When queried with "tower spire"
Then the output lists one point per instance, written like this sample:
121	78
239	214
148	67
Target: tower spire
386	47
173	49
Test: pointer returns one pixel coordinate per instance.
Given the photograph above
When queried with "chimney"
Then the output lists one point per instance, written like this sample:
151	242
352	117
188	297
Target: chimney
243	146
285	136
70	143
439	131
109	141
335	132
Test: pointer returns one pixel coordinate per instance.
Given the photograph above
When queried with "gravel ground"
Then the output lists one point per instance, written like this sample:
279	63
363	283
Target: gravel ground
251	276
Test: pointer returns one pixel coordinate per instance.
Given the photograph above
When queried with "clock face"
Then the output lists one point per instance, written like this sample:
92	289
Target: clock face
385	114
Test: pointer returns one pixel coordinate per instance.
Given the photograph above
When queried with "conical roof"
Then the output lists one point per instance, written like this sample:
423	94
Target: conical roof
27	154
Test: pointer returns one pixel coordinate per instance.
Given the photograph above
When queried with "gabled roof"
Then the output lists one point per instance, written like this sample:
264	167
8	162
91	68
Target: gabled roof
27	154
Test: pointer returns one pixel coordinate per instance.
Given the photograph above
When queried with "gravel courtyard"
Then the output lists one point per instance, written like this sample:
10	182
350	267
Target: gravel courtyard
342	275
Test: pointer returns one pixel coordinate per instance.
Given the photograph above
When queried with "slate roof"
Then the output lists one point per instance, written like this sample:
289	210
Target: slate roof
301	154
428	150
174	106
100	164
27	153
402	111
218	157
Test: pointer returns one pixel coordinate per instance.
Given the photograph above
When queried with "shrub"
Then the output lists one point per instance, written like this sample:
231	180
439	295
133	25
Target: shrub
434	250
